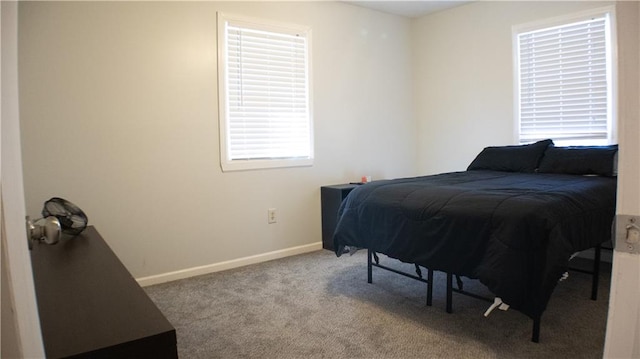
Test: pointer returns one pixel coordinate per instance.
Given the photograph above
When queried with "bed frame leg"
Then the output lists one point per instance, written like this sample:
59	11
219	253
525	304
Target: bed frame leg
596	273
369	266
535	336
459	282
429	287
449	292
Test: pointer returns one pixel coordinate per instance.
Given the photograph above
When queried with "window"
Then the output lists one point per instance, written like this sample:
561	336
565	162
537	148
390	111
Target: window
565	81
265	112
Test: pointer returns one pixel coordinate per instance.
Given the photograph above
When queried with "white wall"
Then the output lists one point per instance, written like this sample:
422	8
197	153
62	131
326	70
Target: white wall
463	70
119	115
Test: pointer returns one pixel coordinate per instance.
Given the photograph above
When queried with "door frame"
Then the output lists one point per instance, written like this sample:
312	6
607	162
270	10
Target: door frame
14	234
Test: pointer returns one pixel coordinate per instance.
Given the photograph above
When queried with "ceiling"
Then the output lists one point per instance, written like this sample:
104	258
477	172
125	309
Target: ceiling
410	9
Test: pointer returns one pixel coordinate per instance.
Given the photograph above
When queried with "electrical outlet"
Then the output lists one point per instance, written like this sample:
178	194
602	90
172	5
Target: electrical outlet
271	216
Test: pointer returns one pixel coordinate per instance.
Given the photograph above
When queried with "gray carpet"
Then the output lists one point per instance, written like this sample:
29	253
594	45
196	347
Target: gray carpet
319	306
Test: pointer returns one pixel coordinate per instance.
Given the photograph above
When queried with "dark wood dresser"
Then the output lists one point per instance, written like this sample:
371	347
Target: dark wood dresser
91	307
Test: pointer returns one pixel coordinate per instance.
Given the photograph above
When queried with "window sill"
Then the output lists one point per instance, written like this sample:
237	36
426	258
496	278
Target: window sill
247	165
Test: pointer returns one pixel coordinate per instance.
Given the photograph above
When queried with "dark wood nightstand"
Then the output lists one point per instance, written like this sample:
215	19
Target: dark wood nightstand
331	197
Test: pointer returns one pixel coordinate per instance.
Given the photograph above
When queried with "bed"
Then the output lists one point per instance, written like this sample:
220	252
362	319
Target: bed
512	220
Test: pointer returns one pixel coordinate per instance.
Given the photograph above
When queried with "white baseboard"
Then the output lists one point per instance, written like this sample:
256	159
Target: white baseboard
221	266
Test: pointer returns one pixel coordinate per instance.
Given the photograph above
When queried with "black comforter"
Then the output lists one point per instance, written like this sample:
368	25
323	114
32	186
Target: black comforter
514	232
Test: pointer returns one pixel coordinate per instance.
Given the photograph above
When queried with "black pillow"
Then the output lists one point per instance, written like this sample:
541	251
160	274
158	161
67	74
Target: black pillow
523	158
580	160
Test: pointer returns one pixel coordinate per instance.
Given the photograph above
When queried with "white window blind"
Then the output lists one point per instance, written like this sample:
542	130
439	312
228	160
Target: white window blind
267	112
565	82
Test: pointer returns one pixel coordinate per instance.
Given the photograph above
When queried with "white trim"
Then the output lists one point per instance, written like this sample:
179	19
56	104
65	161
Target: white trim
614	63
610	11
226	163
243	165
515	56
226	265
559	20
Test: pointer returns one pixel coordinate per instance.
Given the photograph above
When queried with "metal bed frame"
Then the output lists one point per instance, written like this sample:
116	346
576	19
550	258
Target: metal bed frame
374	261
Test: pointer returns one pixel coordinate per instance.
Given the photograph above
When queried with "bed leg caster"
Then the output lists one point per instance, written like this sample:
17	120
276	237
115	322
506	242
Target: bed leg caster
449	292
429	287
535	335
369	266
459	282
596	273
